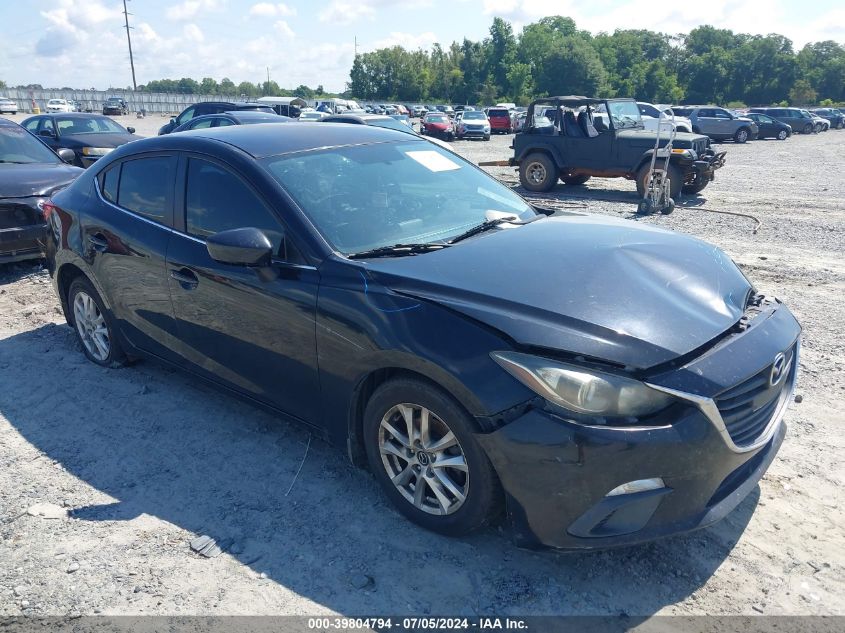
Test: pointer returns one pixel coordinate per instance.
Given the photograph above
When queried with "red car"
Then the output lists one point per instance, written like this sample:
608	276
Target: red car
437	124
500	120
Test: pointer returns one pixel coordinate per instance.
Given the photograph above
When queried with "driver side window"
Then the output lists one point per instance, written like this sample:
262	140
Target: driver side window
218	200
186	116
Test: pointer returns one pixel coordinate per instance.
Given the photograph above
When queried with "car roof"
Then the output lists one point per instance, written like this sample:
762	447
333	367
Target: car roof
73	115
358	118
247	115
572	100
8	123
272	139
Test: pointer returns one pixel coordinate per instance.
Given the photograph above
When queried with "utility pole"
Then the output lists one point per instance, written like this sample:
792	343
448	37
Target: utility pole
129	41
268	80
356	47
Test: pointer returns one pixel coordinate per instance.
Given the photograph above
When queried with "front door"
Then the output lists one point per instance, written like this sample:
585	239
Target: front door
251	328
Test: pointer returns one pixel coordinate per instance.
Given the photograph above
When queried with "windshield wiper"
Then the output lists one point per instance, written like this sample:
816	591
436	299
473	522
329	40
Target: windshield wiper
399	250
487	225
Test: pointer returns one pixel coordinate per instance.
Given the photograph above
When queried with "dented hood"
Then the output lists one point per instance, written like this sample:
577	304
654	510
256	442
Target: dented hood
35	179
595	286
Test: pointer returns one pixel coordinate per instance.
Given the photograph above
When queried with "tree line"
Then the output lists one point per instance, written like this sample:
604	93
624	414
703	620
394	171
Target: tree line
552	56
209	86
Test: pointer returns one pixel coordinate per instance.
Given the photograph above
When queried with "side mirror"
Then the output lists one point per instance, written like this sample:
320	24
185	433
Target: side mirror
47	133
131	130
246	246
173	119
67	155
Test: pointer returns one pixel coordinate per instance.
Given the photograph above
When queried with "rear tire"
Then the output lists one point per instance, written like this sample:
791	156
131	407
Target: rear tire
93	325
575	180
405	422
673	173
537	172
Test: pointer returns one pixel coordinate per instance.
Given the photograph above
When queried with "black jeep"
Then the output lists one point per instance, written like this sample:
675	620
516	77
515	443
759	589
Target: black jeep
574	138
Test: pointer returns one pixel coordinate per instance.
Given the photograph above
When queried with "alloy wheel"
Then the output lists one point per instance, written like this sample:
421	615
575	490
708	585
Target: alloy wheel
782	135
91	326
423	459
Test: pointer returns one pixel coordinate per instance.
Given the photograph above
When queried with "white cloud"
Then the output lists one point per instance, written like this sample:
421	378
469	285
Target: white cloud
193	33
190	9
407	40
346	12
69	25
270	10
284	29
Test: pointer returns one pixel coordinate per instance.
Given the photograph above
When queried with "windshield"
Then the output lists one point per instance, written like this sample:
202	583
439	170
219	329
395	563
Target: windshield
19	146
369	196
472	116
439	118
625	114
68	126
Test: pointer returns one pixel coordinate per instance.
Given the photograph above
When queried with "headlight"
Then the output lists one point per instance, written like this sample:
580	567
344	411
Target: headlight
96	151
583	391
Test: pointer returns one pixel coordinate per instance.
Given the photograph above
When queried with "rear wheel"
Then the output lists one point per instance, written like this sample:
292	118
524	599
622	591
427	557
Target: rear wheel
93	325
674	175
421	448
742	135
574	180
537	172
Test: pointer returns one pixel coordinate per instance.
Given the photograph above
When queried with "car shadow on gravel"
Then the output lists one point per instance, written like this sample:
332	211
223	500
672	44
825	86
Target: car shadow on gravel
18	270
163	444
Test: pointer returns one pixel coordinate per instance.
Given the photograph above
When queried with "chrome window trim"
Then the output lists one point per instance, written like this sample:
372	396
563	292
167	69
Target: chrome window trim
708	407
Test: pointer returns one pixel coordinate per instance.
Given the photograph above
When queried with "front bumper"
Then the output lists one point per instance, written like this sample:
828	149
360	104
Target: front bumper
557	473
21	243
478	133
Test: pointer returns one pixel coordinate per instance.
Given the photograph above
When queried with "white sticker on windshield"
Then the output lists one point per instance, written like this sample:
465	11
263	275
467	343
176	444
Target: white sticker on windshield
433	161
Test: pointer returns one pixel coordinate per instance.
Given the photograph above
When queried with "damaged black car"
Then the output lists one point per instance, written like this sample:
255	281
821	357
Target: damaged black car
29	173
597	381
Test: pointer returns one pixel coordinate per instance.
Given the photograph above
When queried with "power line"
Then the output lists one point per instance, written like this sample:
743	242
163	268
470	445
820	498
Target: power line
129	41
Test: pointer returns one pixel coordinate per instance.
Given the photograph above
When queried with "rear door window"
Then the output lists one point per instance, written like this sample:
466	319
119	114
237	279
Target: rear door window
32	125
146	187
108	183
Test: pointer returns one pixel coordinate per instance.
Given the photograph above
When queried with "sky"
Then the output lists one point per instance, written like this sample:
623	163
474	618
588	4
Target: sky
82	43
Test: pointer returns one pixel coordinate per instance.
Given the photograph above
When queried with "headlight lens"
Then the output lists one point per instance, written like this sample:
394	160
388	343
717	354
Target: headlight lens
96	151
583	391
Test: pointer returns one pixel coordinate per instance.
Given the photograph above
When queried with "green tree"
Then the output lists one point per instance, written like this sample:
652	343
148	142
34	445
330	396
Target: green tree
502	54
572	67
208	86
227	86
802	93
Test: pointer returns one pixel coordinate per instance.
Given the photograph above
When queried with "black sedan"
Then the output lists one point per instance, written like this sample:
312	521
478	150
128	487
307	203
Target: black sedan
606	381
237	117
29	173
90	136
769	127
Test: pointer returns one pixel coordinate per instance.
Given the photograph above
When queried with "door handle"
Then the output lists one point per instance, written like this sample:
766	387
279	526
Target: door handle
185	277
98	242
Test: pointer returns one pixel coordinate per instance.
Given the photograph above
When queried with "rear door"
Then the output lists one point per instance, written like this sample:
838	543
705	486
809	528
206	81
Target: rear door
707	123
125	234
253	329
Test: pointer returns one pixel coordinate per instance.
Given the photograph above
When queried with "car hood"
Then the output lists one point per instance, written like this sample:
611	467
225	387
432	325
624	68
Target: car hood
35	179
98	139
637	137
594	286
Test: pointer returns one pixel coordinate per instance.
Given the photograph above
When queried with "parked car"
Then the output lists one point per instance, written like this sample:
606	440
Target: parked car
832	115
115	106
418	111
238	117
58	105
211	107
89	136
653	411
718	123
573	148
30	173
796	119
500	120
312	116
472	124
651	115
446	109
383	121
404	119
769	127
8	106
437	124
820	124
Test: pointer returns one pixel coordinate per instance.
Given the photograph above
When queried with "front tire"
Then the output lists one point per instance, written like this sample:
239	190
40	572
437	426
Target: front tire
538	173
676	180
421	448
93	325
742	135
691	190
808	129
782	135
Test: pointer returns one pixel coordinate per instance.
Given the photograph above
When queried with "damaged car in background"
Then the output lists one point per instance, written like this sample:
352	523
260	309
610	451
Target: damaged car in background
385	292
30	172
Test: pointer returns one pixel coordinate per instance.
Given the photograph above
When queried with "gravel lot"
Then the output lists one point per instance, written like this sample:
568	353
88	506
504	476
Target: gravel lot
137	462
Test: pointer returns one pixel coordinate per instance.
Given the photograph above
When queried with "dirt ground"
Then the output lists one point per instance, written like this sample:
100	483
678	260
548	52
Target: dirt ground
137	462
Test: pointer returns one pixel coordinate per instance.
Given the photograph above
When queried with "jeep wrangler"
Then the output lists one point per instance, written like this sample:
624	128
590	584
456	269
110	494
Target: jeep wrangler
562	140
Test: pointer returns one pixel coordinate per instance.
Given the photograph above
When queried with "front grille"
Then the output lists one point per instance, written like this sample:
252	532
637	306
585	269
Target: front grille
748	407
699	146
14	215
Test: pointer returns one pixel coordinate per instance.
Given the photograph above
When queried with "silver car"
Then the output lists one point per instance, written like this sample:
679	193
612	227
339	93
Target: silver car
8	106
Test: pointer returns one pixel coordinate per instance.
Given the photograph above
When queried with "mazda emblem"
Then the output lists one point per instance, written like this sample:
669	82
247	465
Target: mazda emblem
778	370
